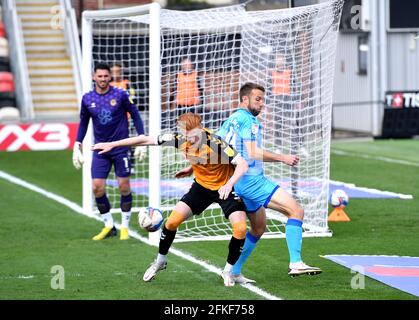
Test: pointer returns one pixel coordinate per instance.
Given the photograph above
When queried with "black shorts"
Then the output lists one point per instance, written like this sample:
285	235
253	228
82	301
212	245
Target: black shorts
199	198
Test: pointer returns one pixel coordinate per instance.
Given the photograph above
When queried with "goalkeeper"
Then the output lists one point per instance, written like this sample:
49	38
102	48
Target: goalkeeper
216	167
107	106
244	131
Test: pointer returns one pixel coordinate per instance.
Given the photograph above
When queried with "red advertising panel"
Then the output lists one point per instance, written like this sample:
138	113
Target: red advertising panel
37	136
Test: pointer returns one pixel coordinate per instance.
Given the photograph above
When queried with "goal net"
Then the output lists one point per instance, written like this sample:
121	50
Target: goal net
291	52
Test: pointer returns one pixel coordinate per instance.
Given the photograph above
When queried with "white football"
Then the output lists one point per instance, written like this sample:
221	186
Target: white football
339	198
150	219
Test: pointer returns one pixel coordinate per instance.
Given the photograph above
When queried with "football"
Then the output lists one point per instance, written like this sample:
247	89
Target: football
339	198
150	219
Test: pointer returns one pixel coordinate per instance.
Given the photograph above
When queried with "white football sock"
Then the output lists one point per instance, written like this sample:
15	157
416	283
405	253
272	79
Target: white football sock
161	258
228	267
107	219
125	216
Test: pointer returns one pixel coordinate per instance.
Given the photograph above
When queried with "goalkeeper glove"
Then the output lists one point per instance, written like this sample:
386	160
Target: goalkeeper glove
163	138
77	155
140	153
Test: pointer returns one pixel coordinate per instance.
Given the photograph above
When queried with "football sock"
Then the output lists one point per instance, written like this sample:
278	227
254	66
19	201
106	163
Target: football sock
125	217
228	267
234	250
107	219
294	237
166	240
126	203
104	207
161	258
249	246
103	204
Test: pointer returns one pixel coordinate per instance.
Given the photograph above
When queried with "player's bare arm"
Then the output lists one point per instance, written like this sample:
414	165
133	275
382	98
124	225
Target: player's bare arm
134	141
128	142
239	171
185	172
257	153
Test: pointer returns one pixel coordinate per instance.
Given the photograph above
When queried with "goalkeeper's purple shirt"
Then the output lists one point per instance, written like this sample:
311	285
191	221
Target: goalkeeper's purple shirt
109	116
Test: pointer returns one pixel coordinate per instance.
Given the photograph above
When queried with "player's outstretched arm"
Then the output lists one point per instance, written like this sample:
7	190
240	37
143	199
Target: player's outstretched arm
128	142
134	141
239	171
185	172
257	153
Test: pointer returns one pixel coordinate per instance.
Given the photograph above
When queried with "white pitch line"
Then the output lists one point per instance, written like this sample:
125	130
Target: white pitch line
380	158
370	190
75	207
369	255
394	266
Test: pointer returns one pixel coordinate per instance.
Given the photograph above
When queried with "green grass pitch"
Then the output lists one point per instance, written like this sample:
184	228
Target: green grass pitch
38	233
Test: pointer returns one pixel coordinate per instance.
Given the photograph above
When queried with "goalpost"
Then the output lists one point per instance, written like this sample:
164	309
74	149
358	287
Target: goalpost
228	46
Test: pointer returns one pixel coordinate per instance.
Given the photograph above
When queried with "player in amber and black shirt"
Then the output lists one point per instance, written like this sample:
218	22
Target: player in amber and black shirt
216	167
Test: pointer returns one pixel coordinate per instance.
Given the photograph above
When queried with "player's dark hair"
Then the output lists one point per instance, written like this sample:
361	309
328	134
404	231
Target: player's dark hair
247	88
102	66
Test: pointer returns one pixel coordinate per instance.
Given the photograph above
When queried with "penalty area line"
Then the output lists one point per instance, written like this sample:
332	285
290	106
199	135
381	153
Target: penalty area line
78	209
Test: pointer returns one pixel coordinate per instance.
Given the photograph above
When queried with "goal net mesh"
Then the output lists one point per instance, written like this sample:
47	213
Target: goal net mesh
291	52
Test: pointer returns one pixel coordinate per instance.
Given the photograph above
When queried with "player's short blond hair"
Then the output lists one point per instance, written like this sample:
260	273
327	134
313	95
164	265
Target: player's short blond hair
189	121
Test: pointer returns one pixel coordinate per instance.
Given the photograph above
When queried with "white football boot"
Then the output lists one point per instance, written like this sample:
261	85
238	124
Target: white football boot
241	279
299	268
152	270
228	278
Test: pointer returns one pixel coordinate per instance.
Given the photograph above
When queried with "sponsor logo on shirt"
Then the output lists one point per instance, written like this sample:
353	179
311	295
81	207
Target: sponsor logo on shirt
105	116
92	105
255	129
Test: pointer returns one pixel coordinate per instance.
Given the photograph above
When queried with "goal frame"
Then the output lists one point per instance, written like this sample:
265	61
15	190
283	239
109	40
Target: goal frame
155	87
153	10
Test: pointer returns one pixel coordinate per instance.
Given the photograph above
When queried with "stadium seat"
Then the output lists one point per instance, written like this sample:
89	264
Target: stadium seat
4	60
6	82
4	67
2	30
7	99
4	64
4	47
9	114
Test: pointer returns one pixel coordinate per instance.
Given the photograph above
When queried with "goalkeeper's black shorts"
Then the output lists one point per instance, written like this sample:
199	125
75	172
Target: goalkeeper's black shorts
199	198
